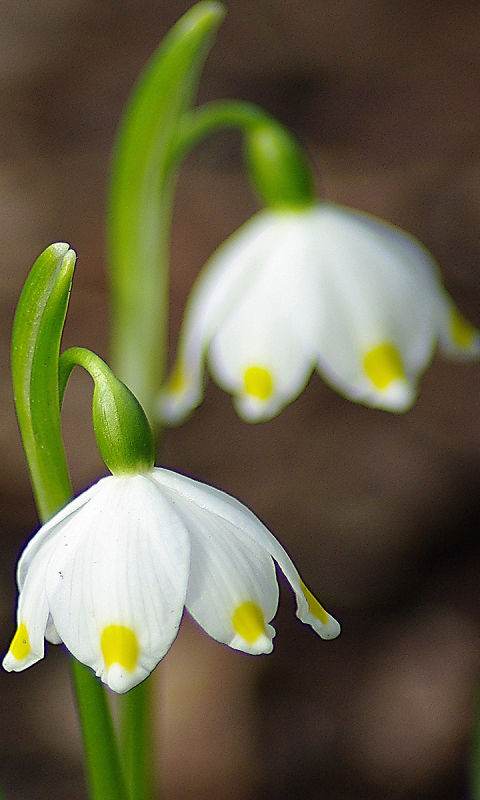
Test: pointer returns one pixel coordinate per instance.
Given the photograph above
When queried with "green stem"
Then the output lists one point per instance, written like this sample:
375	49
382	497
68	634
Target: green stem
200	122
137	737
104	770
37	332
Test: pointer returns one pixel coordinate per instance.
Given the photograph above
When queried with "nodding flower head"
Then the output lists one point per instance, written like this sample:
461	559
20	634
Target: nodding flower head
111	574
322	287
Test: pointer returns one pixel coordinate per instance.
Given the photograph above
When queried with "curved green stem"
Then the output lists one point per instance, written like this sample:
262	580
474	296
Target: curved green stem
277	163
122	431
200	122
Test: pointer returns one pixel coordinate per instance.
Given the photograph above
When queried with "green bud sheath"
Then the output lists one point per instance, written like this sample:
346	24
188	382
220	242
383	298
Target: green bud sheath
278	167
122	431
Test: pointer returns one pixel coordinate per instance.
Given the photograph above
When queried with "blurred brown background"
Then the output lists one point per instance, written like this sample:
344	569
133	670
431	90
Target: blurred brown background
379	512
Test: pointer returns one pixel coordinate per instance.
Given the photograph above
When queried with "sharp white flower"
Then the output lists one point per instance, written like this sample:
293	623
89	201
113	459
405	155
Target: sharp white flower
325	287
111	573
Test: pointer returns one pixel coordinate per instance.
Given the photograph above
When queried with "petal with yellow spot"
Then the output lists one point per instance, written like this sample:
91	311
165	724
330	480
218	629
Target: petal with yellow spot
462	332
248	621
20	646
258	382
119	645
384	365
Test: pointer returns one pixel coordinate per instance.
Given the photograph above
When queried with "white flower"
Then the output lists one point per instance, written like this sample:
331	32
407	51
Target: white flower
326	287
111	573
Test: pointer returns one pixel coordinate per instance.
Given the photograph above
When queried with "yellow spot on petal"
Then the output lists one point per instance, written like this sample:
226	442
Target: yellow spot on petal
258	383
249	622
177	381
463	333
20	646
316	610
119	645
384	365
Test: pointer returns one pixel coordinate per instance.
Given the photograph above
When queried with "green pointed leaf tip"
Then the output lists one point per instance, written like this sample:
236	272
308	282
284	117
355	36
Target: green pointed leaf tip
122	431
37	332
146	134
279	167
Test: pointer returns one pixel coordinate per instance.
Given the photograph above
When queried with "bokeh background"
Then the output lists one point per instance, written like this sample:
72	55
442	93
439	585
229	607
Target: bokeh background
380	512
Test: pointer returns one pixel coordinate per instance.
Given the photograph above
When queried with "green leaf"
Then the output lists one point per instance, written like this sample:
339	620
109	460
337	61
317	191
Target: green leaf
141	199
37	332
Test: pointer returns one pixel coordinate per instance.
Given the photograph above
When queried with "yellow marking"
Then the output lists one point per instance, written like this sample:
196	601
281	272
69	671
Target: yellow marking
20	647
177	382
463	333
258	383
119	645
249	622
384	365
316	610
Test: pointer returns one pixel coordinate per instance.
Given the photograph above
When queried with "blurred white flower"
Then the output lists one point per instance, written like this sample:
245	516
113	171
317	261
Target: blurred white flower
111	573
325	287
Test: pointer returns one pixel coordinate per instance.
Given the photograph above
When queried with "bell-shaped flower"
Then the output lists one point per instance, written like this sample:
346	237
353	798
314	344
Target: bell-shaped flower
322	287
110	574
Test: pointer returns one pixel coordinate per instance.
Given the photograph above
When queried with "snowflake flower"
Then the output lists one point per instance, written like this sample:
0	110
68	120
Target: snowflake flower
110	574
325	287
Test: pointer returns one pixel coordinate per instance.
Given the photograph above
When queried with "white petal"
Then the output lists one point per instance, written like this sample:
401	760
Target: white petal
382	289
274	326
28	645
230	576
222	281
249	531
51	529
458	338
34	622
121	565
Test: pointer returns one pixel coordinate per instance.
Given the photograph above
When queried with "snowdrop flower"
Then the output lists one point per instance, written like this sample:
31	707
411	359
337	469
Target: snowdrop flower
110	574
323	287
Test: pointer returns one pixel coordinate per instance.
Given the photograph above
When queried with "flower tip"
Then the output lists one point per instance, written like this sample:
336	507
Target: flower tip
121	680
312	613
12	664
261	646
178	397
253	409
330	630
172	409
398	398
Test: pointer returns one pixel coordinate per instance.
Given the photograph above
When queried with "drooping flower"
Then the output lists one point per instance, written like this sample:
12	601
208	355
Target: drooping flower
110	574
323	287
